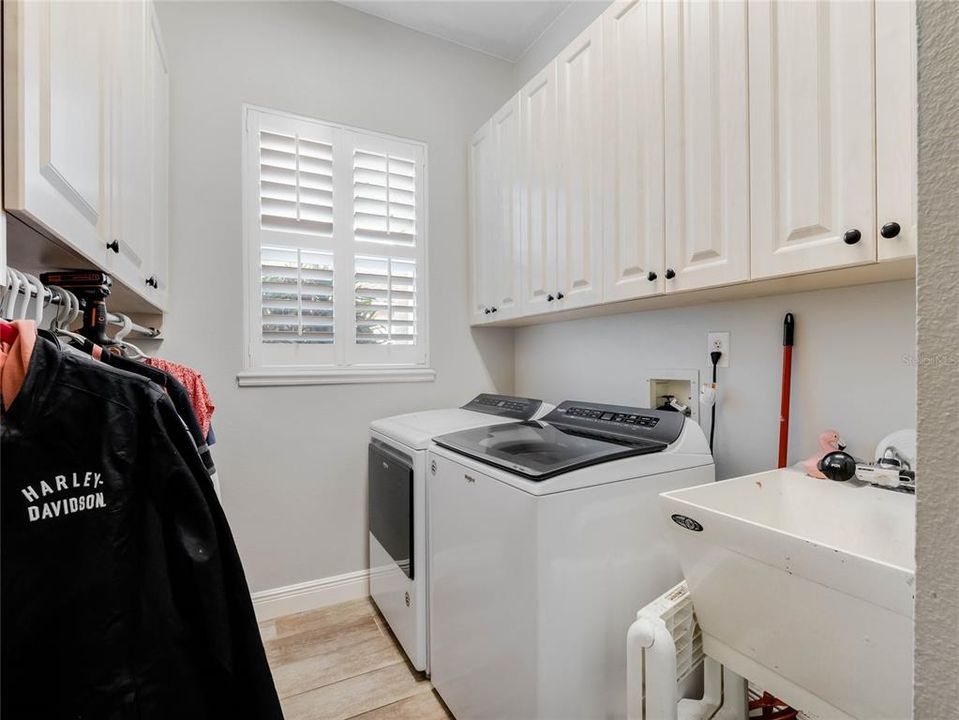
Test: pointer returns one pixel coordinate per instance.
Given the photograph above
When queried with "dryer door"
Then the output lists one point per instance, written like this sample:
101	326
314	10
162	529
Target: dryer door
391	503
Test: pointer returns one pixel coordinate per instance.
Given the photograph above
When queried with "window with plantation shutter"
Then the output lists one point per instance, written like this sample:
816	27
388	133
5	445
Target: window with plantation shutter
336	248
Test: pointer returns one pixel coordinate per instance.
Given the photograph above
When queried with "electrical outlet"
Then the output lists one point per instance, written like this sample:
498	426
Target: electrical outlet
718	341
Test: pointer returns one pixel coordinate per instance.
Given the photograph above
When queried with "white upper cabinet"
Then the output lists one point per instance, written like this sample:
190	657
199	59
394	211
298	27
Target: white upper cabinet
634	231
481	215
812	125
56	142
538	180
505	259
131	171
896	150
158	116
678	145
579	230
707	144
86	133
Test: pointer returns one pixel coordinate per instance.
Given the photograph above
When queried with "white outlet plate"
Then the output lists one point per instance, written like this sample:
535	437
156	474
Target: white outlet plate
718	341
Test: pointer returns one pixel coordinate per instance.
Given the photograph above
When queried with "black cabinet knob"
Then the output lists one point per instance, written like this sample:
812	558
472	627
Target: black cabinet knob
890	230
670	273
115	246
559	295
550	298
153	282
493	309
851	237
651	276
486	310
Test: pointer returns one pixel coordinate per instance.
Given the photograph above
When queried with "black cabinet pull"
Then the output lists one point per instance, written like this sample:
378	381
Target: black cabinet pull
486	310
670	273
651	276
890	230
550	298
559	295
851	237
153	282
493	309
115	246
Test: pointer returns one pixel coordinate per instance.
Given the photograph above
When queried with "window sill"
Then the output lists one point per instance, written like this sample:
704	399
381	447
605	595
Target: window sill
333	376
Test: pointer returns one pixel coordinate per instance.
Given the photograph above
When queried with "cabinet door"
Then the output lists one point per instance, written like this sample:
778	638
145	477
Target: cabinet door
896	150
579	232
538	191
505	259
634	232
158	115
481	159
132	181
56	158
812	135
707	144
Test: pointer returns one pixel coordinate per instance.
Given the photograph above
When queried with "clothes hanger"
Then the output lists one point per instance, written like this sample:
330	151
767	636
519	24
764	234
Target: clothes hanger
123	332
35	285
10	302
69	301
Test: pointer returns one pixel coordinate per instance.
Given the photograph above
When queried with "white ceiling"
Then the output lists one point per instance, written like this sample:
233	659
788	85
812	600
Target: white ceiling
503	28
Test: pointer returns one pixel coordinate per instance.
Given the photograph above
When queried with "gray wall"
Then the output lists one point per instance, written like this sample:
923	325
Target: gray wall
937	545
292	460
853	366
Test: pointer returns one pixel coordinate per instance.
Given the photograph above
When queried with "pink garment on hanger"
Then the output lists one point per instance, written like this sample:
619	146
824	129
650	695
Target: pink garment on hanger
203	406
15	359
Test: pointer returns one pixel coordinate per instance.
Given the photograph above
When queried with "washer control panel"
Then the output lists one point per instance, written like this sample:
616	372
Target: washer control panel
617	422
517	408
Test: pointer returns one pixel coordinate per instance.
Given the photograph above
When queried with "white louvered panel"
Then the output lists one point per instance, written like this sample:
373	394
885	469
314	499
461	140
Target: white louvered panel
296	295
384	198
385	296
296	184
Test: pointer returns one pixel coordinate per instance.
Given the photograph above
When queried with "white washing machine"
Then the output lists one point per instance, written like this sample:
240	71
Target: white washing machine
397	507
544	539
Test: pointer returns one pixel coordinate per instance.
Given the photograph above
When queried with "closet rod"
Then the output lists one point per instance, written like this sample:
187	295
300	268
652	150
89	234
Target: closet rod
50	299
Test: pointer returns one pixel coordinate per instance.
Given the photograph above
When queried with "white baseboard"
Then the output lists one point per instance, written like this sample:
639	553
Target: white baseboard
311	595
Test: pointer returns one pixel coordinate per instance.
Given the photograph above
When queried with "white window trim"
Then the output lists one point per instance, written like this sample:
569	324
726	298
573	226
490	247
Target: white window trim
254	375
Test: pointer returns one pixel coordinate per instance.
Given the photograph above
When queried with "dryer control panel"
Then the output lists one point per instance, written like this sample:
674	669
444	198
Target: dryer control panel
617	422
517	408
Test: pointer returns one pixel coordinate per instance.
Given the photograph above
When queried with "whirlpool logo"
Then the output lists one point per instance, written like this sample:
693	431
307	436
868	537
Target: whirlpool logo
687	522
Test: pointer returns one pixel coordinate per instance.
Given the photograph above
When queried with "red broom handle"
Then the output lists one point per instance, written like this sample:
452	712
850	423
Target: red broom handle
788	327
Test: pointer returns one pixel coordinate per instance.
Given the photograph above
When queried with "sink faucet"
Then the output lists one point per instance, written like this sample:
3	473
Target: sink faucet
891	471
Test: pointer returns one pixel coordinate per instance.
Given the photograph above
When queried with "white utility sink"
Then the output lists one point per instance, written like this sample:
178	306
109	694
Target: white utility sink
805	587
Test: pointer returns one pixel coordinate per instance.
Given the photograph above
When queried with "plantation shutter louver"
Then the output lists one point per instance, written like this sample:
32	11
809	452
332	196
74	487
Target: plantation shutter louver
296	295
384	198
385	293
296	184
335	225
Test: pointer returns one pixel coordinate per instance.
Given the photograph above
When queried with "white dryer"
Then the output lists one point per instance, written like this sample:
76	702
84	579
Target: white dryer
544	539
397	507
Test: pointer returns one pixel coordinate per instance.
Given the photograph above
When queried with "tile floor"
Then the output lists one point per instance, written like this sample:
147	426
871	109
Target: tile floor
342	662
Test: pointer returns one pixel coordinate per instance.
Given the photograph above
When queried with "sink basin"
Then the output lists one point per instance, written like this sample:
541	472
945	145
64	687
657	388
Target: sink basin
805	587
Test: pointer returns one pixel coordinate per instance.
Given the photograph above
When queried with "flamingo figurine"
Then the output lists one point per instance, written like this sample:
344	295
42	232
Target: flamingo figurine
829	441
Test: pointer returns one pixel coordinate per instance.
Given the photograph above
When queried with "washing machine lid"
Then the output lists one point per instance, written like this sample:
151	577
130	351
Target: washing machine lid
574	435
417	430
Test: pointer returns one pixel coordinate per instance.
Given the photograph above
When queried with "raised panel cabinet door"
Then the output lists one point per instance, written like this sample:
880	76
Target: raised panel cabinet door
896	141
132	148
538	140
56	154
482	192
505	257
159	122
579	230
634	228
707	144
812	135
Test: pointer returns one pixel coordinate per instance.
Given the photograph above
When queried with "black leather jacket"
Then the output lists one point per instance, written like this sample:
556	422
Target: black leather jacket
121	591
